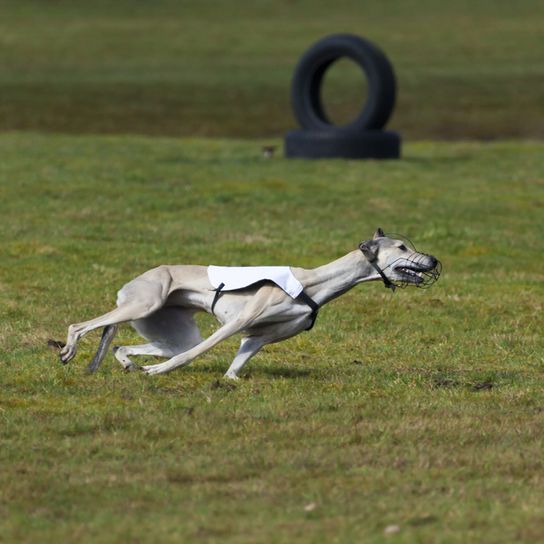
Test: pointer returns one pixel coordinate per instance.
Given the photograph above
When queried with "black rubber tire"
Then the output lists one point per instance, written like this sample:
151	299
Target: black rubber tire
308	76
366	144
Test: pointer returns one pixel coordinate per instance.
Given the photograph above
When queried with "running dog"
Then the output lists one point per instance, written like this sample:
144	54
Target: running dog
270	305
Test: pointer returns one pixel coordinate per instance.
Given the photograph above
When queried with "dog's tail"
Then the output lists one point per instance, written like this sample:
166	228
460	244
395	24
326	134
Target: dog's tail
105	342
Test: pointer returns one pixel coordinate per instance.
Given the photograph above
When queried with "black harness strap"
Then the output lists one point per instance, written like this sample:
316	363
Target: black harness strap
312	304
217	294
371	258
385	279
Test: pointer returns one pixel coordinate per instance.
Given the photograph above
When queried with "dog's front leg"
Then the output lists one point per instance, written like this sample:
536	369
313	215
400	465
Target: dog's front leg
249	316
185	358
248	348
123	353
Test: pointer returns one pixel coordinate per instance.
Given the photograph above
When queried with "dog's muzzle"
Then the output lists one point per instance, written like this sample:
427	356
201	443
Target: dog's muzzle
419	270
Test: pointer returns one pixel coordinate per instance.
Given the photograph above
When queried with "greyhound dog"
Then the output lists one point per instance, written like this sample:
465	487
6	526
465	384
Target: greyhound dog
161	303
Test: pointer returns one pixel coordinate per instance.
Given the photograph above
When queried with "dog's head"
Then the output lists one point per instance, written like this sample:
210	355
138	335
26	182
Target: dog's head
400	262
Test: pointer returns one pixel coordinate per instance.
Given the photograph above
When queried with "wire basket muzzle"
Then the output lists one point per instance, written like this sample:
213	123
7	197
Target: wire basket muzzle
416	271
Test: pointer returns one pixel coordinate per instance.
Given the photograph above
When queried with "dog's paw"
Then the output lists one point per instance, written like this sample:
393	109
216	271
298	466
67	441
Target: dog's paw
132	367
66	354
161	368
56	344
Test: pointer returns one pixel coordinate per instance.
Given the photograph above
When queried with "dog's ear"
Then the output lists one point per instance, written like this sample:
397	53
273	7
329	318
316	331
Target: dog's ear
369	249
378	234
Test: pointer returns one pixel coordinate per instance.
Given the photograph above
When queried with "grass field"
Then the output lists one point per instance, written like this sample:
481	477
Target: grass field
414	417
466	70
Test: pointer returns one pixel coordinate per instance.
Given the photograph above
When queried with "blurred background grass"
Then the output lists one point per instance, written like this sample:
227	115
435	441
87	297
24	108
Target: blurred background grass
466	69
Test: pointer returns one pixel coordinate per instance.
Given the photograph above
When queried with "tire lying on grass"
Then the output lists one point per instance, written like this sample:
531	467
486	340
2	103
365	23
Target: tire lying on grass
360	138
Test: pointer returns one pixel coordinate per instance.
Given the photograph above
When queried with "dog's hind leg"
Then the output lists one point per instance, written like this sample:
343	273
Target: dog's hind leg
136	300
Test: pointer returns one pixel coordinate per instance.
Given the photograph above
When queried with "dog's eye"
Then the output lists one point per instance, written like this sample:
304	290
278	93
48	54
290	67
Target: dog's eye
402	247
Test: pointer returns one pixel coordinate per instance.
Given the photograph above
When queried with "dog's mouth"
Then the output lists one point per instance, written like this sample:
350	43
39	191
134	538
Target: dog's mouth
417	273
410	274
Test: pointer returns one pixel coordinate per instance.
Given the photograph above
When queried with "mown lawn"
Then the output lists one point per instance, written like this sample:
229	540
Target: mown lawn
413	417
466	69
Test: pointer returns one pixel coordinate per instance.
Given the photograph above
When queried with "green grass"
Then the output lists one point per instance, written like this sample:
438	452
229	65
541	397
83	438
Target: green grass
419	409
465	69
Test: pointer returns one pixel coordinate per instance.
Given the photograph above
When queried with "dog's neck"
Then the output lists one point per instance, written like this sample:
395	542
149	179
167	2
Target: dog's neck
331	280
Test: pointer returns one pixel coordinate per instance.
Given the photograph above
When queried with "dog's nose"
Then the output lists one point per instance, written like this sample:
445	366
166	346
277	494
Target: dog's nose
434	261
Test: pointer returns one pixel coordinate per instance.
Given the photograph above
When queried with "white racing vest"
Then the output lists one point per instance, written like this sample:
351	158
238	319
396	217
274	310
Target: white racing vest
238	277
